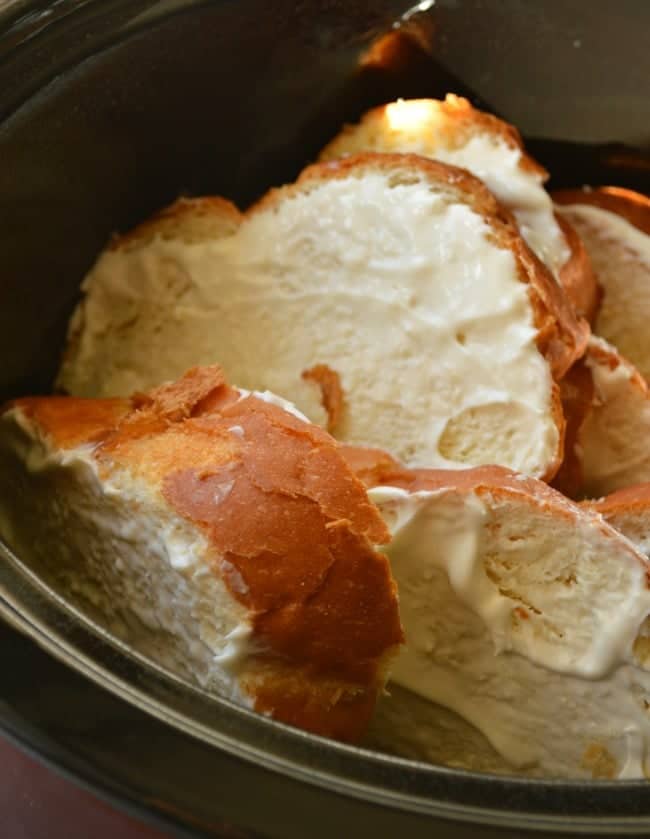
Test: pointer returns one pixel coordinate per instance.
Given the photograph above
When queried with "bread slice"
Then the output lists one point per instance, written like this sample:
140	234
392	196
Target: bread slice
614	225
215	531
522	613
607	405
628	510
454	132
111	309
400	277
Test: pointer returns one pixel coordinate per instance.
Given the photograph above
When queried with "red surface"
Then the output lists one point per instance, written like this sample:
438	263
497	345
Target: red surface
36	803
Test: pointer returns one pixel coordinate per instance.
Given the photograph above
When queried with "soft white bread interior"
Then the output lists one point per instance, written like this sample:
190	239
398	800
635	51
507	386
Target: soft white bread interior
614	225
521	612
402	277
607	405
215	531
455	132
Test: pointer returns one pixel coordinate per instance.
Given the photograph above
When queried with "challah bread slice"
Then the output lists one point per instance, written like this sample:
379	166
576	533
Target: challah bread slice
614	225
215	531
607	405
521	612
455	132
401	277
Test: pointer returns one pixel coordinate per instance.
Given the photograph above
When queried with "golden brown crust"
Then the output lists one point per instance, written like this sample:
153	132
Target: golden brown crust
501	484
179	400
332	397
370	465
632	206
577	275
72	422
190	219
329	708
479	479
631	499
562	336
457	121
292	531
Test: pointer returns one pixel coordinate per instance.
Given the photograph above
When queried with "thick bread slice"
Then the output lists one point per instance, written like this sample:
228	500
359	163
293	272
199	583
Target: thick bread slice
215	531
607	405
521	612
400	277
188	221
454	132
614	225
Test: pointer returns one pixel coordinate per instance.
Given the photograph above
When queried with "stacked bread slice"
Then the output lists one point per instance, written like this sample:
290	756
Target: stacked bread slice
401	277
605	395
453	131
525	614
607	405
614	225
215	531
433	319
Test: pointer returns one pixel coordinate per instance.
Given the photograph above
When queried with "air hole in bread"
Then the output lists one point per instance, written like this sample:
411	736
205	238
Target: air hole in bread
481	434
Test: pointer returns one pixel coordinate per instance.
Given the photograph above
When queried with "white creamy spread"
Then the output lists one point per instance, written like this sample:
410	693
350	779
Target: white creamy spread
403	295
496	163
104	538
620	255
540	699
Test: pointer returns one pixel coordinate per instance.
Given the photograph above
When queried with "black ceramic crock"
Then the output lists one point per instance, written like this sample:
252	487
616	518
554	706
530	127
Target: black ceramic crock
108	110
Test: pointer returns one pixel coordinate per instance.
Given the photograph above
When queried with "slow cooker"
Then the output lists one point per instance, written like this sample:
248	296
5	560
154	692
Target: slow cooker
109	109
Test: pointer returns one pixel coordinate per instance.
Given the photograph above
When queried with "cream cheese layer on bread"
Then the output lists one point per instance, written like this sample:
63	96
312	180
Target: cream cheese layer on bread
522	614
400	275
454	132
215	532
615	229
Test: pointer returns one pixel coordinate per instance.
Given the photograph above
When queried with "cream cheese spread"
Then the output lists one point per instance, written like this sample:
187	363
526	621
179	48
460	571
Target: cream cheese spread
403	294
497	163
544	700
